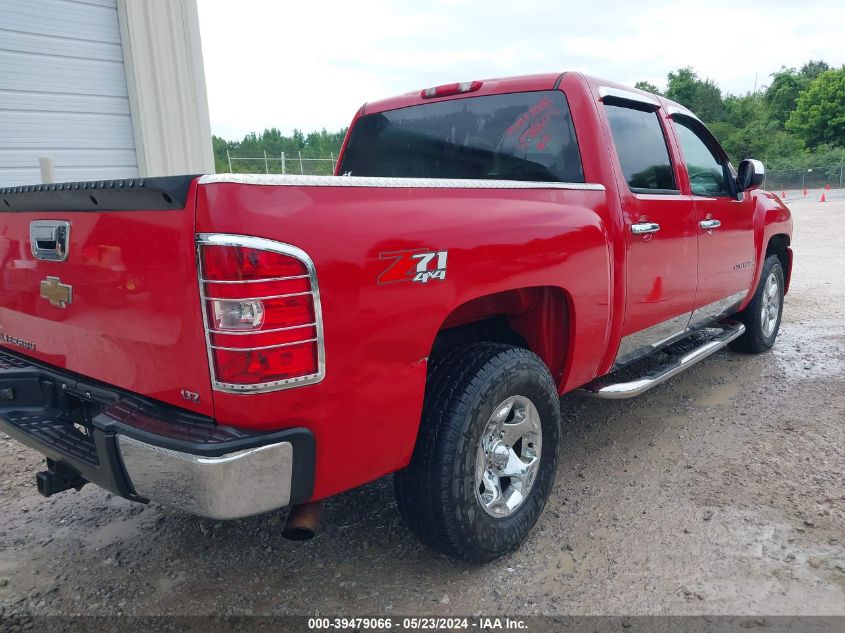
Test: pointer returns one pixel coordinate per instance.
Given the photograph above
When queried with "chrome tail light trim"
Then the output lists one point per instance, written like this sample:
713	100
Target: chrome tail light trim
259	243
256	281
252	349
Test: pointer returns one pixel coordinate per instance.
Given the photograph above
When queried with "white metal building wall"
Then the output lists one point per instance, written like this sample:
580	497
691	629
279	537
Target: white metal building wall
63	92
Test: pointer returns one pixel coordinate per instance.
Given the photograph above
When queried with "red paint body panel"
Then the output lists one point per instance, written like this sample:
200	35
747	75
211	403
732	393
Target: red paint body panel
365	413
134	321
717	253
560	265
661	268
771	218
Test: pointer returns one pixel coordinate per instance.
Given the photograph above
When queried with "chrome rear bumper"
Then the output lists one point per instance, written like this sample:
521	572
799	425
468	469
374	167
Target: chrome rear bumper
145	450
239	484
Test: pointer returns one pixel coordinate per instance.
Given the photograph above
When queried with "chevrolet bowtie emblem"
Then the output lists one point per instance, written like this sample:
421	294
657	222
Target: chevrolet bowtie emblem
57	293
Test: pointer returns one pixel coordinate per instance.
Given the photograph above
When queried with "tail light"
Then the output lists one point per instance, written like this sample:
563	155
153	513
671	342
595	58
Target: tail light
261	307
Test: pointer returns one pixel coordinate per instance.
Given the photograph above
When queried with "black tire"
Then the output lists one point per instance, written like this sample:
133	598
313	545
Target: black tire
436	493
756	339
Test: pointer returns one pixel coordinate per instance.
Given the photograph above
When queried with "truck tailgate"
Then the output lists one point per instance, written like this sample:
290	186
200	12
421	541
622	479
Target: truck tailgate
100	279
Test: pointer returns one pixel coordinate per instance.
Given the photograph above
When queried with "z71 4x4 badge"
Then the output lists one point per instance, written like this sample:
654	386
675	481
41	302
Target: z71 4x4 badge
420	265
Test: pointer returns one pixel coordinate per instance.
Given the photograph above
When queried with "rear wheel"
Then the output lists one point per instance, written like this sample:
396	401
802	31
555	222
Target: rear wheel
763	315
486	454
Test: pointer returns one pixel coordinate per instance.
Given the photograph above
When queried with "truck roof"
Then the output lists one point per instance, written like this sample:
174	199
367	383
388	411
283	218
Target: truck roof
497	85
501	85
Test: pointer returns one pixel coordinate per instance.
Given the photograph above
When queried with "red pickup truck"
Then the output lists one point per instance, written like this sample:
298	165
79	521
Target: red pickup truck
230	344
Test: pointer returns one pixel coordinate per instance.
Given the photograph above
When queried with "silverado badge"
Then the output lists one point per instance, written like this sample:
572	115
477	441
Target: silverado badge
57	293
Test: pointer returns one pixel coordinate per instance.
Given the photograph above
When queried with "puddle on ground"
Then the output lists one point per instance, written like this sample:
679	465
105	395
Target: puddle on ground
718	395
116	531
811	349
561	564
719	379
11	573
166	584
8	565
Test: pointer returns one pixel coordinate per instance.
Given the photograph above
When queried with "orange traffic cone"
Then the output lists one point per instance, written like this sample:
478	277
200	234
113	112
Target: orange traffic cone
805	191
783	194
822	199
827	187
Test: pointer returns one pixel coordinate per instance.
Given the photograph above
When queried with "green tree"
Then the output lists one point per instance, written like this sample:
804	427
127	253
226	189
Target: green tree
742	128
682	86
787	85
782	94
814	68
819	115
322	144
701	96
648	87
744	110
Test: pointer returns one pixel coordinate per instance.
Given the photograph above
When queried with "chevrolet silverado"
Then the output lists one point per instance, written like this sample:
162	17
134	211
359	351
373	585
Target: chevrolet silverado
232	344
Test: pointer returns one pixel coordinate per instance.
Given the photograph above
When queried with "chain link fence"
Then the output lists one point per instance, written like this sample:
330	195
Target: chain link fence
832	176
282	163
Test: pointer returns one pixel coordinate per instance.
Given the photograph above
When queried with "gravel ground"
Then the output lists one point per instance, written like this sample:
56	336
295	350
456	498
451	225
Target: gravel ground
721	492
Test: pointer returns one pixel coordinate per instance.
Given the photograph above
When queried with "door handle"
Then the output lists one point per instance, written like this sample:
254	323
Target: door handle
643	228
709	225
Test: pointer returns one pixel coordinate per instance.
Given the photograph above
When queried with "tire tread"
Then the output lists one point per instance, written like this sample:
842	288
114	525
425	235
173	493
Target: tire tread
456	382
752	341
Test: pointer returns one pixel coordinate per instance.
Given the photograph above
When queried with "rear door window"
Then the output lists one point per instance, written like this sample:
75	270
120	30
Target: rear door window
519	136
641	147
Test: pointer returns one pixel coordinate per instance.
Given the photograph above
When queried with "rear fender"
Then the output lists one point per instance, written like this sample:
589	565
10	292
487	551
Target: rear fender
380	327
536	318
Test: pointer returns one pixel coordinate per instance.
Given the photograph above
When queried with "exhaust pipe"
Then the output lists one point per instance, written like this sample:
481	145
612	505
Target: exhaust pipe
303	521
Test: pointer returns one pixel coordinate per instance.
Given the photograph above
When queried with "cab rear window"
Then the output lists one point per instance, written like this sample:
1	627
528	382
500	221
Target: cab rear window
519	136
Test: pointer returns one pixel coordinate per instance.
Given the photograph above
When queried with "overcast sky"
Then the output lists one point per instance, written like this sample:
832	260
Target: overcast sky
310	64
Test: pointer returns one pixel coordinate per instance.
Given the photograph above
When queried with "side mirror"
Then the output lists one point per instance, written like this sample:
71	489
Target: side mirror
750	175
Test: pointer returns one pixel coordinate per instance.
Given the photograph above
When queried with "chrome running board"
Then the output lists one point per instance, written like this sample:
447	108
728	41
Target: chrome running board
602	388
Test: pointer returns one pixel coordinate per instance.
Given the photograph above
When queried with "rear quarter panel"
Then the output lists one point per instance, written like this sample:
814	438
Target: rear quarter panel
365	413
